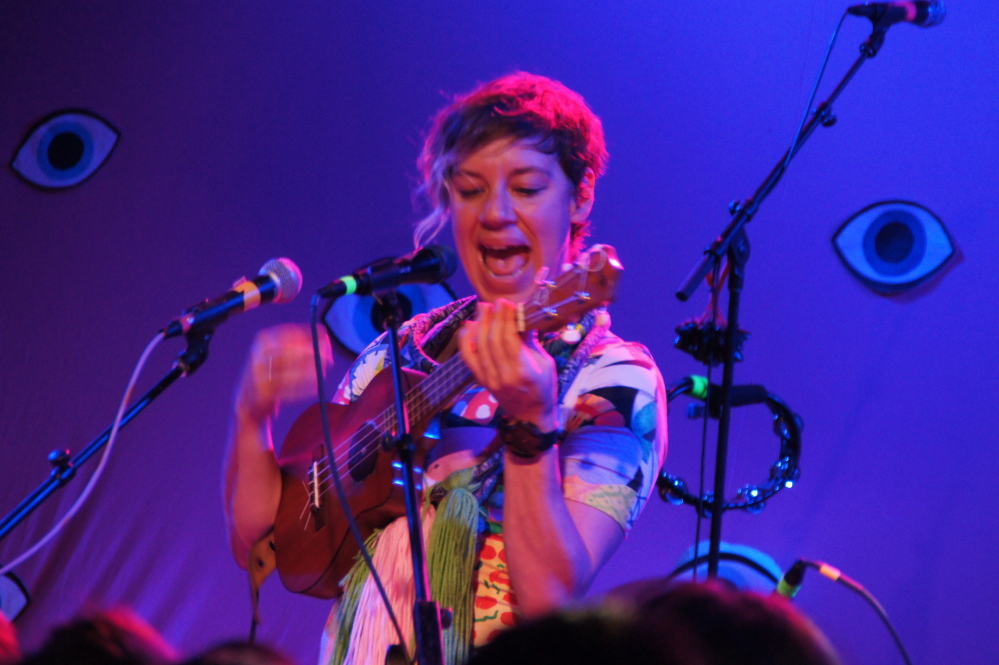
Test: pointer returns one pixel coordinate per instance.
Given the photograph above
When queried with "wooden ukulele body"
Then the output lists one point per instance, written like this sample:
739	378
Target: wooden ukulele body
314	548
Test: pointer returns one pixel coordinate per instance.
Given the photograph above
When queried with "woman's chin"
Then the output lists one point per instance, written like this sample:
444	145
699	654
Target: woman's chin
517	287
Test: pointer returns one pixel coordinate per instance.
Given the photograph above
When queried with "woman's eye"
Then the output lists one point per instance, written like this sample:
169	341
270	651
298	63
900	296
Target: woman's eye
65	149
468	193
893	246
528	191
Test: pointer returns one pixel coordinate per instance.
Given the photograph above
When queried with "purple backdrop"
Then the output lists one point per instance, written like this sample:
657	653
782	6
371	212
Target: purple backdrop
252	130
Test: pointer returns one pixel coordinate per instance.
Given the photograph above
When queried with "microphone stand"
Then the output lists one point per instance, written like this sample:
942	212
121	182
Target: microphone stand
734	244
427	626
64	467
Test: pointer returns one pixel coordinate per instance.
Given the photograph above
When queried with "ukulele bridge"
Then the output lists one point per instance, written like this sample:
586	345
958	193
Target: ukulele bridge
315	487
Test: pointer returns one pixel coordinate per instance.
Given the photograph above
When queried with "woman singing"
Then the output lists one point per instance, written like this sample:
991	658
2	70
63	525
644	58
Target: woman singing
560	440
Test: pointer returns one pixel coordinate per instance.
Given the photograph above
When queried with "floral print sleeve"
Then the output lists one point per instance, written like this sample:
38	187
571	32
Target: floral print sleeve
368	364
615	425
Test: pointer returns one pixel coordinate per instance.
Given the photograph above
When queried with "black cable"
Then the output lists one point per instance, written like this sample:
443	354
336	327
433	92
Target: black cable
815	89
341	495
715	293
836	576
733	557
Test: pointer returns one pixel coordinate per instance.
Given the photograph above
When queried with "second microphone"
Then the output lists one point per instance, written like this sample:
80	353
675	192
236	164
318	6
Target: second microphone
428	265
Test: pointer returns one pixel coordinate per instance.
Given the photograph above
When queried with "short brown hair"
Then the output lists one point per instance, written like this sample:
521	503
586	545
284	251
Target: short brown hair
516	106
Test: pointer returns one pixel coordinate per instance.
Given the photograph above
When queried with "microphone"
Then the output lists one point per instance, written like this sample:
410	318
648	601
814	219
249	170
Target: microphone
923	13
790	583
279	281
427	265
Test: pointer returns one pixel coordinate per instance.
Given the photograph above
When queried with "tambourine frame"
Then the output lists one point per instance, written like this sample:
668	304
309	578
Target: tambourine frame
784	472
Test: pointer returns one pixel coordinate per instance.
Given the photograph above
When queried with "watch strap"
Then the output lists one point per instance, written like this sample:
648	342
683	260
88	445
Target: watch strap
525	439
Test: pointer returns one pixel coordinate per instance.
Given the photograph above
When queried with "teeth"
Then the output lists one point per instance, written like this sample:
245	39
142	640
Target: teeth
506	260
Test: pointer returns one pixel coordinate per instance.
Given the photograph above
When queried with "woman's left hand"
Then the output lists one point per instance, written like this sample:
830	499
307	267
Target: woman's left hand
511	365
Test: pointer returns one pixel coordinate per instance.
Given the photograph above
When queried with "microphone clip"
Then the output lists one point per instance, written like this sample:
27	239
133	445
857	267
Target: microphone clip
196	353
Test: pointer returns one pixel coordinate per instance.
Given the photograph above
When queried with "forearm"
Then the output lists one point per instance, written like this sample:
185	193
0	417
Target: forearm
553	547
280	367
549	562
252	485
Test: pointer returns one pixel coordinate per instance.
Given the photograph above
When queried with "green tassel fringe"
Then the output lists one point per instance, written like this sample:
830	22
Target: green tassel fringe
451	563
353	584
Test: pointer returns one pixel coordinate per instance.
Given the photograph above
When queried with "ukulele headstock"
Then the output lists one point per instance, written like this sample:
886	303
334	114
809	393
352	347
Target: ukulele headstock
590	283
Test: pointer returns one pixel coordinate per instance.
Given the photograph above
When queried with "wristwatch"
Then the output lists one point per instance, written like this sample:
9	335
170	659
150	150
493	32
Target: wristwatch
524	439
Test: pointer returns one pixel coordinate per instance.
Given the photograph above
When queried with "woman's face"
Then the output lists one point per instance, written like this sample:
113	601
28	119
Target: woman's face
511	206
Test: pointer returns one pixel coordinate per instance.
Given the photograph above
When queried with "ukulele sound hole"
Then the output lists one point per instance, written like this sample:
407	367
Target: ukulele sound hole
363	452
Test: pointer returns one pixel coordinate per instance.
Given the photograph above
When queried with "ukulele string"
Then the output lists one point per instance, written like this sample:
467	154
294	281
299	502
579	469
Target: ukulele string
432	390
386	421
451	373
363	448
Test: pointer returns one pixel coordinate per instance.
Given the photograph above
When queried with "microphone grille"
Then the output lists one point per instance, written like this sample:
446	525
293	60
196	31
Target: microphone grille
448	260
935	13
286	276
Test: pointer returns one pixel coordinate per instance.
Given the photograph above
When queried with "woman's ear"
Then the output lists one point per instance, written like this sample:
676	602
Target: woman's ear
583	201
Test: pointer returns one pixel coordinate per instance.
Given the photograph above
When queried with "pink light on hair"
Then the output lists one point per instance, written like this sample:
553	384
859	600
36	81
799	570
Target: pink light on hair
516	106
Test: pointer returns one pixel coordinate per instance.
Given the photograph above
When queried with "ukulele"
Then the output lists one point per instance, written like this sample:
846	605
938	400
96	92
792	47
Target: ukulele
314	549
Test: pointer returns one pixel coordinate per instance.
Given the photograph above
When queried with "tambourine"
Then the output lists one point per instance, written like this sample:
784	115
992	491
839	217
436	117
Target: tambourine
784	472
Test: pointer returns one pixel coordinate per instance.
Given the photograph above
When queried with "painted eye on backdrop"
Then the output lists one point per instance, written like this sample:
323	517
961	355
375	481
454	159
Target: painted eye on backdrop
893	246
64	149
356	322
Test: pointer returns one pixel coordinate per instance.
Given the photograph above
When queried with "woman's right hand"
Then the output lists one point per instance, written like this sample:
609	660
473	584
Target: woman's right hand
280	367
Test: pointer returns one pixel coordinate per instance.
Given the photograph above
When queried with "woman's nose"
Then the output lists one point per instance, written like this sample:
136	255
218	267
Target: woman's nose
498	210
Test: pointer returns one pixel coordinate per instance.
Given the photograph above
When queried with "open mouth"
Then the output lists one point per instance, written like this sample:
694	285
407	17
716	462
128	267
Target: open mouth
505	261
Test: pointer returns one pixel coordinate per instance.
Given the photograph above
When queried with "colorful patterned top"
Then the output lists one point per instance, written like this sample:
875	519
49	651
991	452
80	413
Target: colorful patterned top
614	418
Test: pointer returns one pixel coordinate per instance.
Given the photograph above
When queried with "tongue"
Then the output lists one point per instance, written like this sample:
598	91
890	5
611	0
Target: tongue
505	262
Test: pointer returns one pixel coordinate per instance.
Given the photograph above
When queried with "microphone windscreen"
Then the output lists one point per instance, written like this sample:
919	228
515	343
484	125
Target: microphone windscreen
935	13
286	276
448	259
